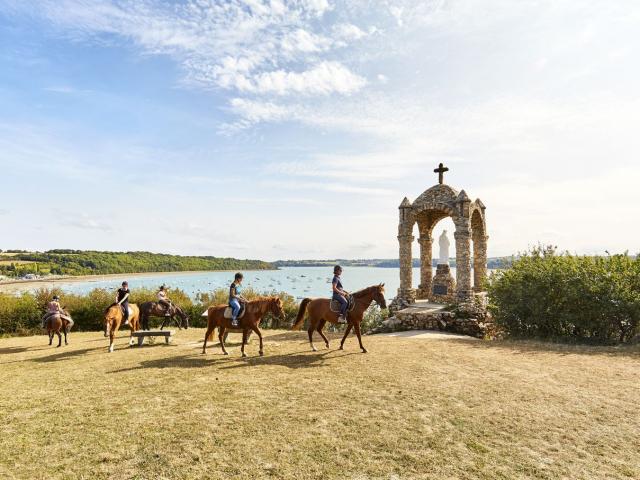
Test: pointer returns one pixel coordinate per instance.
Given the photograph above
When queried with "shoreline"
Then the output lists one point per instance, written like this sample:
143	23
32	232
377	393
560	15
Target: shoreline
12	286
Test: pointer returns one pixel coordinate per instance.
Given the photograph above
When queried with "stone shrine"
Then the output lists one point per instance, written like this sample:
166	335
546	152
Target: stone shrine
436	203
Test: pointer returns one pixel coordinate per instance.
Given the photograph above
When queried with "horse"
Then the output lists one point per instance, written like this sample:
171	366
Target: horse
56	322
113	317
320	313
254	311
154	309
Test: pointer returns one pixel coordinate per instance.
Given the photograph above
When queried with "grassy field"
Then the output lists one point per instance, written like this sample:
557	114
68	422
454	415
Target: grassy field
411	408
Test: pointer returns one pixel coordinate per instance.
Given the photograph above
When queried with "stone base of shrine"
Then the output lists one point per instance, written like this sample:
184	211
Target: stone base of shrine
469	318
443	286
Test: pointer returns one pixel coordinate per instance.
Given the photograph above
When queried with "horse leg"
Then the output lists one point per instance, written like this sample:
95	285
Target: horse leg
210	329
356	327
50	337
59	338
257	330
112	334
64	330
244	341
321	325
221	335
346	334
312	327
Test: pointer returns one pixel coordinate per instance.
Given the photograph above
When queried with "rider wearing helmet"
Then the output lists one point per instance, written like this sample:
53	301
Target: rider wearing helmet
236	299
163	300
340	294
53	307
122	299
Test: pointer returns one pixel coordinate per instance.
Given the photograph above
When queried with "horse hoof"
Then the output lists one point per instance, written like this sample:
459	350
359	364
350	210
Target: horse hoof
327	346
341	347
261	353
364	350
244	355
314	349
225	353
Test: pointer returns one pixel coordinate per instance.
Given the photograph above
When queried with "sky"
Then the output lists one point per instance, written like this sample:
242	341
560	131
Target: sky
280	129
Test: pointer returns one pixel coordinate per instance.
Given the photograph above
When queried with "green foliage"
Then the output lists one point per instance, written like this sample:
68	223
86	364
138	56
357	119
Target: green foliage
546	295
77	262
22	314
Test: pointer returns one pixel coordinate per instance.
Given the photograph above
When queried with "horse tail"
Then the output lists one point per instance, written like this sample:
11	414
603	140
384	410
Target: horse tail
301	312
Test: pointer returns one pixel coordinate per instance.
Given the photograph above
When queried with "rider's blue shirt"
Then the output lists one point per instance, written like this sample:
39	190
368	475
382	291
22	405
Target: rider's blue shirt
237	288
336	281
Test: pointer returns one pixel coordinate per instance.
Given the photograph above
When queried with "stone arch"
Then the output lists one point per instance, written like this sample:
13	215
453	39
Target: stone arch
435	204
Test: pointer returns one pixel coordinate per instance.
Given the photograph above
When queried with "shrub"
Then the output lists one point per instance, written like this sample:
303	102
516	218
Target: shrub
546	295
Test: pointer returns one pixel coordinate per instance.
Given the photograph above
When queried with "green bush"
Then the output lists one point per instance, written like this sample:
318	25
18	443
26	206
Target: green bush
547	295
22	314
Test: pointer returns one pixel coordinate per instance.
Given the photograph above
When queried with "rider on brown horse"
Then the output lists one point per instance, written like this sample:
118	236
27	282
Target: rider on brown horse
340	294
163	300
122	299
236	300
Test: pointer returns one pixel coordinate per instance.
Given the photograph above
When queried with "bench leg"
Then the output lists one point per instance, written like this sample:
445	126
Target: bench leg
140	340
168	340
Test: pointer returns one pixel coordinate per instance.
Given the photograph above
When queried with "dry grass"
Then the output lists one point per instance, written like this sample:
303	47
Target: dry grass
411	408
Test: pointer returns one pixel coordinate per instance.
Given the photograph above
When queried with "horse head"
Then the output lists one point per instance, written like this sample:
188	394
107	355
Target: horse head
378	296
184	318
277	308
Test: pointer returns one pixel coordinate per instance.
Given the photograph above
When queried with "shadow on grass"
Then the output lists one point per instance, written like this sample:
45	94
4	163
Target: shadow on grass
9	350
294	360
64	354
522	347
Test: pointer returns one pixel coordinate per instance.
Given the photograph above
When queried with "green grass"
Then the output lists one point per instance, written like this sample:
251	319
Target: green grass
411	408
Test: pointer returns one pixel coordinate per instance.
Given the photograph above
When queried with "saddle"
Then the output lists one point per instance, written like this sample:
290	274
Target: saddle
334	305
228	312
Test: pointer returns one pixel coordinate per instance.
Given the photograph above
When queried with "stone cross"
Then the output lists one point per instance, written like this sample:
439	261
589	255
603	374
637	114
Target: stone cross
440	171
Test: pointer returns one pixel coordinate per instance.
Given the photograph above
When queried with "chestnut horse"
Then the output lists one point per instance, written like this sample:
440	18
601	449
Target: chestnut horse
254	311
58	322
320	313
113	318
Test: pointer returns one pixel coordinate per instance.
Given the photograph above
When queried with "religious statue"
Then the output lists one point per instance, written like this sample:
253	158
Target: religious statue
444	249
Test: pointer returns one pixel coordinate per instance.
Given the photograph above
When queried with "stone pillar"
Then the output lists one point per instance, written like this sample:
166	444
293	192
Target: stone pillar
463	261
406	290
479	262
426	270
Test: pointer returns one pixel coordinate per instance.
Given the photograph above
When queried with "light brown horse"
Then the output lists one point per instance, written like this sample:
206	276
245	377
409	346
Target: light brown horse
320	313
255	310
57	322
113	318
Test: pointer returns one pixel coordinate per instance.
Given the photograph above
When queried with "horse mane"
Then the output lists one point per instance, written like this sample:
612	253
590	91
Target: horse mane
110	307
364	291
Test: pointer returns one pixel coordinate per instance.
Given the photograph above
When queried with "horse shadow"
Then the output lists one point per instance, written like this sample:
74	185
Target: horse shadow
295	360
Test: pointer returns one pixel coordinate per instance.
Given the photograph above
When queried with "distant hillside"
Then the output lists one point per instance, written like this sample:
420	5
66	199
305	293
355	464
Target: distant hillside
493	263
77	262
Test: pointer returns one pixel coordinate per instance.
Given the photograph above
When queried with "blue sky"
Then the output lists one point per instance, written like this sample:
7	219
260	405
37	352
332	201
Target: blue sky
272	129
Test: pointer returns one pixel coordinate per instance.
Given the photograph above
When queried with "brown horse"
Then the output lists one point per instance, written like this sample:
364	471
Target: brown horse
113	318
154	309
320	313
57	322
255	310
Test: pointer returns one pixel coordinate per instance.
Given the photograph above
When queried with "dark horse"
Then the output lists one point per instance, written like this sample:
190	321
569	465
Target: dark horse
320	313
56	323
154	309
255	310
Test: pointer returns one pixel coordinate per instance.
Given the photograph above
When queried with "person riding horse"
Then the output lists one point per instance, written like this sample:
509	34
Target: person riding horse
340	294
53	308
122	299
236	300
163	300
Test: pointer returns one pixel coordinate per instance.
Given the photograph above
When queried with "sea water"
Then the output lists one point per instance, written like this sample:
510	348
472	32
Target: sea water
301	282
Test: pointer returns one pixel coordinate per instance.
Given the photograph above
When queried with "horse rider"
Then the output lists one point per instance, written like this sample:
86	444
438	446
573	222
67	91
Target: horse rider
340	294
236	300
163	300
53	308
122	299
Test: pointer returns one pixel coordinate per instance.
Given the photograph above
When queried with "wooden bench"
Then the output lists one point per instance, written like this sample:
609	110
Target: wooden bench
141	334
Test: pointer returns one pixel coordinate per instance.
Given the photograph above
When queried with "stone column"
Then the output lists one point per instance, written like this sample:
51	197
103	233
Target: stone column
479	262
463	262
426	271
406	291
